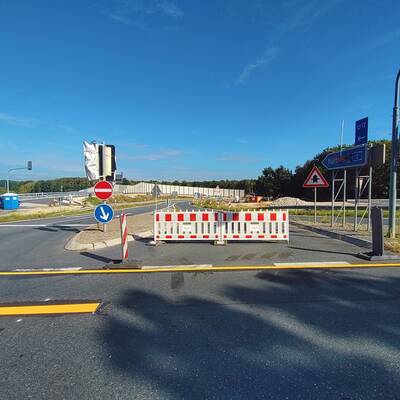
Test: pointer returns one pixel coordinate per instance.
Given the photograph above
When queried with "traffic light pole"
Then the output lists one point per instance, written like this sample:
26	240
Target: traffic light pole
393	161
28	167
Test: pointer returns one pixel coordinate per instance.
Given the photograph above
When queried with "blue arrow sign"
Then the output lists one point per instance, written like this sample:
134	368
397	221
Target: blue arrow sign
103	213
361	131
348	158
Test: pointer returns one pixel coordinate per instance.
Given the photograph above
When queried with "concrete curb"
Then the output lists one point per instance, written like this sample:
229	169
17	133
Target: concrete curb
73	244
334	235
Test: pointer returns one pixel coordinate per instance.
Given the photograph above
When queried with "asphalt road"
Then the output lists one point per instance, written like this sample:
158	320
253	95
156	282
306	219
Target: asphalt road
40	243
304	334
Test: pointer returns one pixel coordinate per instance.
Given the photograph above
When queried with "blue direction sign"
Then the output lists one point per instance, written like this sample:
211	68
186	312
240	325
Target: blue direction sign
348	158
361	131
103	213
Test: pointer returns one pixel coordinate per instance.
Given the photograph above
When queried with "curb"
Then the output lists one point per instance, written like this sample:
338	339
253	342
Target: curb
73	244
334	235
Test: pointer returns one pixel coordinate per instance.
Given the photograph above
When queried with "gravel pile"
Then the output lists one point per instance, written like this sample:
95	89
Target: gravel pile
288	201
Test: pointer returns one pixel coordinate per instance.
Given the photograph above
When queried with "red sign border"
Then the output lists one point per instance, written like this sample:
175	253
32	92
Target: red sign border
101	182
315	169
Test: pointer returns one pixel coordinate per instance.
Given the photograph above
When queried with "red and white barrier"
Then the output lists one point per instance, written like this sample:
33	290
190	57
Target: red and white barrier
221	226
256	225
186	225
124	237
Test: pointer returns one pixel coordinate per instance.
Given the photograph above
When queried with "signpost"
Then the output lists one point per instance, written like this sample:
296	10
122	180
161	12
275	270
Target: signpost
103	190
315	180
348	158
361	132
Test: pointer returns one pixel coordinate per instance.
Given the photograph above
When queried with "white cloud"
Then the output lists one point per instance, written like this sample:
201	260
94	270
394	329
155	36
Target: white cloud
162	155
237	158
266	58
170	9
120	18
18	121
26	122
384	39
291	16
125	11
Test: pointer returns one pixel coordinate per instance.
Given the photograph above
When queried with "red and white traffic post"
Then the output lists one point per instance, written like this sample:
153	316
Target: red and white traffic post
124	238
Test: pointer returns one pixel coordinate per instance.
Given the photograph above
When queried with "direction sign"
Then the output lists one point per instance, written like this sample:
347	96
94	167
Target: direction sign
103	213
361	131
315	179
103	190
348	158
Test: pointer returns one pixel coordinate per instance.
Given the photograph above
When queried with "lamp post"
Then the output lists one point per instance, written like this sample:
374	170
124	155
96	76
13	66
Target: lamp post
393	161
28	167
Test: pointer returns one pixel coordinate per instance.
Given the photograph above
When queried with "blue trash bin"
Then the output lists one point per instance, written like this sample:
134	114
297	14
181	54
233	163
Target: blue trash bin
9	201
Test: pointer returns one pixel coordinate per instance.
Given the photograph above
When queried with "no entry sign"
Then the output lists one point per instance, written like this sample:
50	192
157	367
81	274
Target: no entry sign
103	190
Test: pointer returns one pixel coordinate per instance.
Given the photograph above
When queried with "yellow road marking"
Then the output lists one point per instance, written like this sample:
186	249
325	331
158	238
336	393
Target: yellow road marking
204	269
49	309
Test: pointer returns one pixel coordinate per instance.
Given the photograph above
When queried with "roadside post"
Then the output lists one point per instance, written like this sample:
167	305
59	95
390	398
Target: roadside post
124	237
315	180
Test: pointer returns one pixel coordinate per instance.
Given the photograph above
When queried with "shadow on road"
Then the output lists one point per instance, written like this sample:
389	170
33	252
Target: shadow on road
98	257
282	334
323	251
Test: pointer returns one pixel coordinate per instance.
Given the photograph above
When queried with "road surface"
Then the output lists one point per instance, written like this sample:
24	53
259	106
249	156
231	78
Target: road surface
40	243
305	334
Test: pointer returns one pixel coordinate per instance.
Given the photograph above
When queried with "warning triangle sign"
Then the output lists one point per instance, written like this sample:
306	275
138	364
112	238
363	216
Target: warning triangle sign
315	179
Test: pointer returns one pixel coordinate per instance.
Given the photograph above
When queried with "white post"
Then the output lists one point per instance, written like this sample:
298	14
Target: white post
315	205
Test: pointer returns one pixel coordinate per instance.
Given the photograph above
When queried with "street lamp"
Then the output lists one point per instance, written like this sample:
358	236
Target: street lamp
393	161
28	167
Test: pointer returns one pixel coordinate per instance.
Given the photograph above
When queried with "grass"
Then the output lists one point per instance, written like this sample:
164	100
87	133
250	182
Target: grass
25	216
221	205
393	244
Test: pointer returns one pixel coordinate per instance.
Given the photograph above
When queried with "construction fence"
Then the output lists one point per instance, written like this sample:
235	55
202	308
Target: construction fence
221	226
191	191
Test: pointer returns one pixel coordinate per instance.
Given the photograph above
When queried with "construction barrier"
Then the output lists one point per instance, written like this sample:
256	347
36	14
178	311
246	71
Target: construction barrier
221	226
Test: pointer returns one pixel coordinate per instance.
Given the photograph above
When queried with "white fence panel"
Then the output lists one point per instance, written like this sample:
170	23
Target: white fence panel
221	226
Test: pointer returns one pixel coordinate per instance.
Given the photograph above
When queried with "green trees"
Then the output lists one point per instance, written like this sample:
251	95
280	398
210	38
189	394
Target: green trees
273	182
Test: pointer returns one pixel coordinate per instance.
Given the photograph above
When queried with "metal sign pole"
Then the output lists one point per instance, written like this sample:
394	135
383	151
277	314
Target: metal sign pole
315	205
356	199
369	198
344	196
393	162
333	198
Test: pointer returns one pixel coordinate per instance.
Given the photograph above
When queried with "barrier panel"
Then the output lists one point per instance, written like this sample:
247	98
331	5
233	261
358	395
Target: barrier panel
221	226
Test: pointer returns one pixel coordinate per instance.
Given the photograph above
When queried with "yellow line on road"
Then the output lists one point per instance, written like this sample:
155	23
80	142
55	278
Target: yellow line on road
48	309
204	269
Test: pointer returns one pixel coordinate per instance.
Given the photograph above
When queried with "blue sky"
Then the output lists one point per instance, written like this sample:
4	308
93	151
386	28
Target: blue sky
191	89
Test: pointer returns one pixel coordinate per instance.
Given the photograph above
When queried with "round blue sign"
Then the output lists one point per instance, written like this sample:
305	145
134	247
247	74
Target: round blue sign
103	213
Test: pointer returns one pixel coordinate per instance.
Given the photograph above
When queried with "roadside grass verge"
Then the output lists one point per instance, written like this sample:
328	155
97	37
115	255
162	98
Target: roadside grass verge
64	212
221	205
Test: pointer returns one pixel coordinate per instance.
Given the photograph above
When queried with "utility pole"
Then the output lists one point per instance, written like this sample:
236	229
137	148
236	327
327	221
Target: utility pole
393	161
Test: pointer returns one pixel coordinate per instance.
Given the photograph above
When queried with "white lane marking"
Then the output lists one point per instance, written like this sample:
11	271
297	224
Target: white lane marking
40	225
311	263
194	266
47	269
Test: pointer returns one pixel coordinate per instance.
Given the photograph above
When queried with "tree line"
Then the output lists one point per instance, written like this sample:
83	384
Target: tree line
272	182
